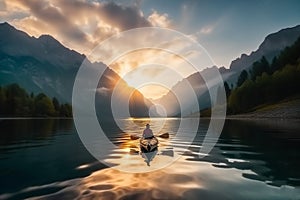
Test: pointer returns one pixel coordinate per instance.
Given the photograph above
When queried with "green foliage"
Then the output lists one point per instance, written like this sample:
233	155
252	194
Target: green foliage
2	99
65	110
16	102
242	78
269	83
56	105
290	55
227	89
259	67
265	89
43	106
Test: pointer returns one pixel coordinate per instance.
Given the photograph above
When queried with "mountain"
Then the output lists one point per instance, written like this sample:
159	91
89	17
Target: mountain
272	45
46	49
176	98
37	64
45	65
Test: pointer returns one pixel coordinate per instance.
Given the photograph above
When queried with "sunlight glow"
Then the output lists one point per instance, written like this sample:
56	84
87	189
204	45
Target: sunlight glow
153	91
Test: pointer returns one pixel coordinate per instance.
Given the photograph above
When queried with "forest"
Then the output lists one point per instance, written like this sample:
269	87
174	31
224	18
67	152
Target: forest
16	102
263	83
266	82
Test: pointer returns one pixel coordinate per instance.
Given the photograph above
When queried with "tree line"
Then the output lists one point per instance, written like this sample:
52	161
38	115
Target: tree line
16	102
266	82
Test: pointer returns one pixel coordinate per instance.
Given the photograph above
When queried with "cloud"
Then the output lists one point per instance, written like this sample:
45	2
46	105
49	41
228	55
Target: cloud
46	18
161	20
153	71
10	12
117	15
82	24
207	29
155	59
2	5
103	91
78	24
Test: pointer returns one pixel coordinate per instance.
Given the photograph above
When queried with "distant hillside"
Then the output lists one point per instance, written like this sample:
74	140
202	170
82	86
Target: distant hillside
37	64
266	82
45	65
16	102
271	47
179	91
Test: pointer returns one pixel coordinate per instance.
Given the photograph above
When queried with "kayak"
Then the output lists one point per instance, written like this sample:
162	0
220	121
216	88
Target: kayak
148	144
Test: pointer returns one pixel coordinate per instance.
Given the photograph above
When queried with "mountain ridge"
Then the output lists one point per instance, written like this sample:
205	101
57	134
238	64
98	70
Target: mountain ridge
272	45
43	64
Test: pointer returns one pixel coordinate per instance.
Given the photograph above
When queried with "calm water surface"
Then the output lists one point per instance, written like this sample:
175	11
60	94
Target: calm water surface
252	160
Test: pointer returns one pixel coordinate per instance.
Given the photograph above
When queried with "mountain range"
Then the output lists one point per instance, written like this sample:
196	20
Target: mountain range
272	45
45	65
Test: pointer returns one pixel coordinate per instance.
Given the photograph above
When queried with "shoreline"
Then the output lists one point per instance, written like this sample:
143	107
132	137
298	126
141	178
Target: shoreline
283	110
260	118
18	118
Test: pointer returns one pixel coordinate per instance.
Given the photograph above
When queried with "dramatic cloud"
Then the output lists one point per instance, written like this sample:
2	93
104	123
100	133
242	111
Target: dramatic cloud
78	24
83	24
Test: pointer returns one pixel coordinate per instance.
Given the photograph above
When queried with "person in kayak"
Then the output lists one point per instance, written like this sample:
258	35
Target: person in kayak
147	133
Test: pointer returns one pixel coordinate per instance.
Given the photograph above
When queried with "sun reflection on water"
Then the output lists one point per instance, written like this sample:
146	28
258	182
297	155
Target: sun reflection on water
235	169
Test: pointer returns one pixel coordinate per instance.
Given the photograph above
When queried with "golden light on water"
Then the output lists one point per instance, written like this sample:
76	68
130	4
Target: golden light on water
163	184
132	159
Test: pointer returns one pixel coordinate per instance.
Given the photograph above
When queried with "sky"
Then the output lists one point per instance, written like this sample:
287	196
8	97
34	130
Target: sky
225	28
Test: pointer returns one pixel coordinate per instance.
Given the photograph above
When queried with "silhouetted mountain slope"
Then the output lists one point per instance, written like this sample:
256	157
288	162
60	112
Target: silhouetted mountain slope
45	65
37	64
271	46
180	96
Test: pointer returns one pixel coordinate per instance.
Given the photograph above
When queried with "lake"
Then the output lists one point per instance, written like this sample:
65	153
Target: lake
253	159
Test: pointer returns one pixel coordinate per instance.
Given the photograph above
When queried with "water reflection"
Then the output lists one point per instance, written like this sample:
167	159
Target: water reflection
263	150
252	160
15	131
267	152
149	156
34	152
270	149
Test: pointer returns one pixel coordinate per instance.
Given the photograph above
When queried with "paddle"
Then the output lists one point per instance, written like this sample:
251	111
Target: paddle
164	135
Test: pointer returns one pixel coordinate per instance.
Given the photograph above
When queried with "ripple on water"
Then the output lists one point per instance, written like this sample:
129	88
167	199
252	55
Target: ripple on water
234	169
